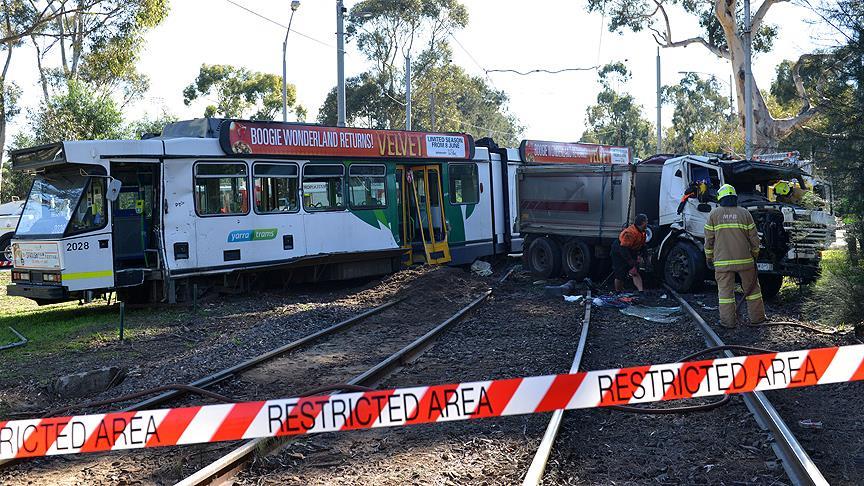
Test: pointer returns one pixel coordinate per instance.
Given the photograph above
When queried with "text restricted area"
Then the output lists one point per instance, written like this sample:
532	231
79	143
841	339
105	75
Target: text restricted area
426	404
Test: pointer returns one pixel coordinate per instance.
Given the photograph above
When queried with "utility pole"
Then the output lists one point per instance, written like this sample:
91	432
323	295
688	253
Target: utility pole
748	84
340	63
295	4
659	107
408	92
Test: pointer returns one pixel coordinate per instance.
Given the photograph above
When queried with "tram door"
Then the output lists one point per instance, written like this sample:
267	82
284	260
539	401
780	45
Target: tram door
422	213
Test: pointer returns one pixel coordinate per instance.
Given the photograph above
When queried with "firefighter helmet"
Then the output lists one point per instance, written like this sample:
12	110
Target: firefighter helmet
782	188
726	190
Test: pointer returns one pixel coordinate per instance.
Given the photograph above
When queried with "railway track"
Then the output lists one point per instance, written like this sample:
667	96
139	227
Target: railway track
796	462
385	328
229	464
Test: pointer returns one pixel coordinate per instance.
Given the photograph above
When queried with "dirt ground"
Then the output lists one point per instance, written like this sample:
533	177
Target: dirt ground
600	446
437	293
837	445
517	332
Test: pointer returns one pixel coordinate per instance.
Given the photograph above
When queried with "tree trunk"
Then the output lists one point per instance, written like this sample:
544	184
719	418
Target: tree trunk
767	130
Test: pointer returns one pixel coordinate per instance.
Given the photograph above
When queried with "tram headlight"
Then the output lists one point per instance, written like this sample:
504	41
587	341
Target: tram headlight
51	277
17	275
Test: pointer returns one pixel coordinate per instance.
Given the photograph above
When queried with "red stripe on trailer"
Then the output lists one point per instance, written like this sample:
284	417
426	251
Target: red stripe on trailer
106	433
814	366
172	426
237	421
500	393
368	407
37	444
626	382
560	392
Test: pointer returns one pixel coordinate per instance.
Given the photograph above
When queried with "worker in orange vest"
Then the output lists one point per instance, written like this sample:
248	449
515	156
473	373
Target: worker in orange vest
625	253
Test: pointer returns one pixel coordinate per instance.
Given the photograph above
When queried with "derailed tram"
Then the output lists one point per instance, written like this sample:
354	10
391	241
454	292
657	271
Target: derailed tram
220	201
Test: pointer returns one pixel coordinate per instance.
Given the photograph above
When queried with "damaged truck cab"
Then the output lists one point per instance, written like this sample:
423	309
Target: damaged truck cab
791	236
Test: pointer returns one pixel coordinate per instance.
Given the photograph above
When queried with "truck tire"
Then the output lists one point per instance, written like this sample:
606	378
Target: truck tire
5	248
770	284
684	267
544	258
576	259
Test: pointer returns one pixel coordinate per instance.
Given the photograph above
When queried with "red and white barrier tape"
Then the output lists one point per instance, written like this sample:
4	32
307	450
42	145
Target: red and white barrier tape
424	404
5	264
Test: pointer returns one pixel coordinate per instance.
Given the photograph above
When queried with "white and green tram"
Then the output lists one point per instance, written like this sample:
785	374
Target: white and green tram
214	201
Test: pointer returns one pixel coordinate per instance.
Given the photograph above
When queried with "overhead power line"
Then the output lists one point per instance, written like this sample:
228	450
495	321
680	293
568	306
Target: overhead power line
544	71
280	24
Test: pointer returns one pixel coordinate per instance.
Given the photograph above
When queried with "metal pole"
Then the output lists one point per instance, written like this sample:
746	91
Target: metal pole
408	92
659	107
731	100
285	71
340	63
748	84
122	318
432	107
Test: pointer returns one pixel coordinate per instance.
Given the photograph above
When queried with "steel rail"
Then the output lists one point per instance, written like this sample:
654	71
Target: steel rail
796	462
544	450
219	471
219	376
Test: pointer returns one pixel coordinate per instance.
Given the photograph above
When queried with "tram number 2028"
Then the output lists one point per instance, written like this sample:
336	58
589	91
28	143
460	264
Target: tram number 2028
77	245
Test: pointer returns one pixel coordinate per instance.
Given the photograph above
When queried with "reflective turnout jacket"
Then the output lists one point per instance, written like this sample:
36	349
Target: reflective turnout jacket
731	240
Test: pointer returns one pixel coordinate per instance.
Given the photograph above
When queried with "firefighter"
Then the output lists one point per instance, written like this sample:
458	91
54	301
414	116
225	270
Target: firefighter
731	246
625	253
785	192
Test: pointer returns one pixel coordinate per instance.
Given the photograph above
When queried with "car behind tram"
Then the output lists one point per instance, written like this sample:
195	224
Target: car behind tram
219	201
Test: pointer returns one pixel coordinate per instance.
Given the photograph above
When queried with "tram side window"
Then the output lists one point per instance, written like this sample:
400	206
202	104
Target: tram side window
221	189
322	187
90	213
366	186
464	184
275	187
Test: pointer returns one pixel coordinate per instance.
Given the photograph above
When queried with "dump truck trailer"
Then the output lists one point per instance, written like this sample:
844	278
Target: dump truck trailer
572	208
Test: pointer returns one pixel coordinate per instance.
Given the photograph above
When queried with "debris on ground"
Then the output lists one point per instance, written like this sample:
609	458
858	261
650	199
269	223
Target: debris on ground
481	268
21	340
564	289
617	301
89	382
573	298
810	424
662	315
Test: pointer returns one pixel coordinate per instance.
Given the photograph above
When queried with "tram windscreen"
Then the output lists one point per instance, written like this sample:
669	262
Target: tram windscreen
54	201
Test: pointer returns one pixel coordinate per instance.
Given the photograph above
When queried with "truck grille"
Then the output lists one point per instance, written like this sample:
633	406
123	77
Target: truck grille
809	235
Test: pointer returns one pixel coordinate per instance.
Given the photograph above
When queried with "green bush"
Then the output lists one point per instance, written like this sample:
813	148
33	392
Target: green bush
837	298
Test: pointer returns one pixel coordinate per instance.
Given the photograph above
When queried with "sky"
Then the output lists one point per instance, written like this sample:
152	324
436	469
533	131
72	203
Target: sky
502	34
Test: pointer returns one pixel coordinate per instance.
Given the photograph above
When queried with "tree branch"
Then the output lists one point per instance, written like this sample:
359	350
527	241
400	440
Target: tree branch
756	22
699	40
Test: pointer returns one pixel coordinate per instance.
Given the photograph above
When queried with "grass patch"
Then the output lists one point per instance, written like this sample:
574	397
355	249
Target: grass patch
837	298
58	328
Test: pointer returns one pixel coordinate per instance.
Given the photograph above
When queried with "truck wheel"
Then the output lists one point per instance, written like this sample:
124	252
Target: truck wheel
5	248
544	258
576	259
684	267
770	284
